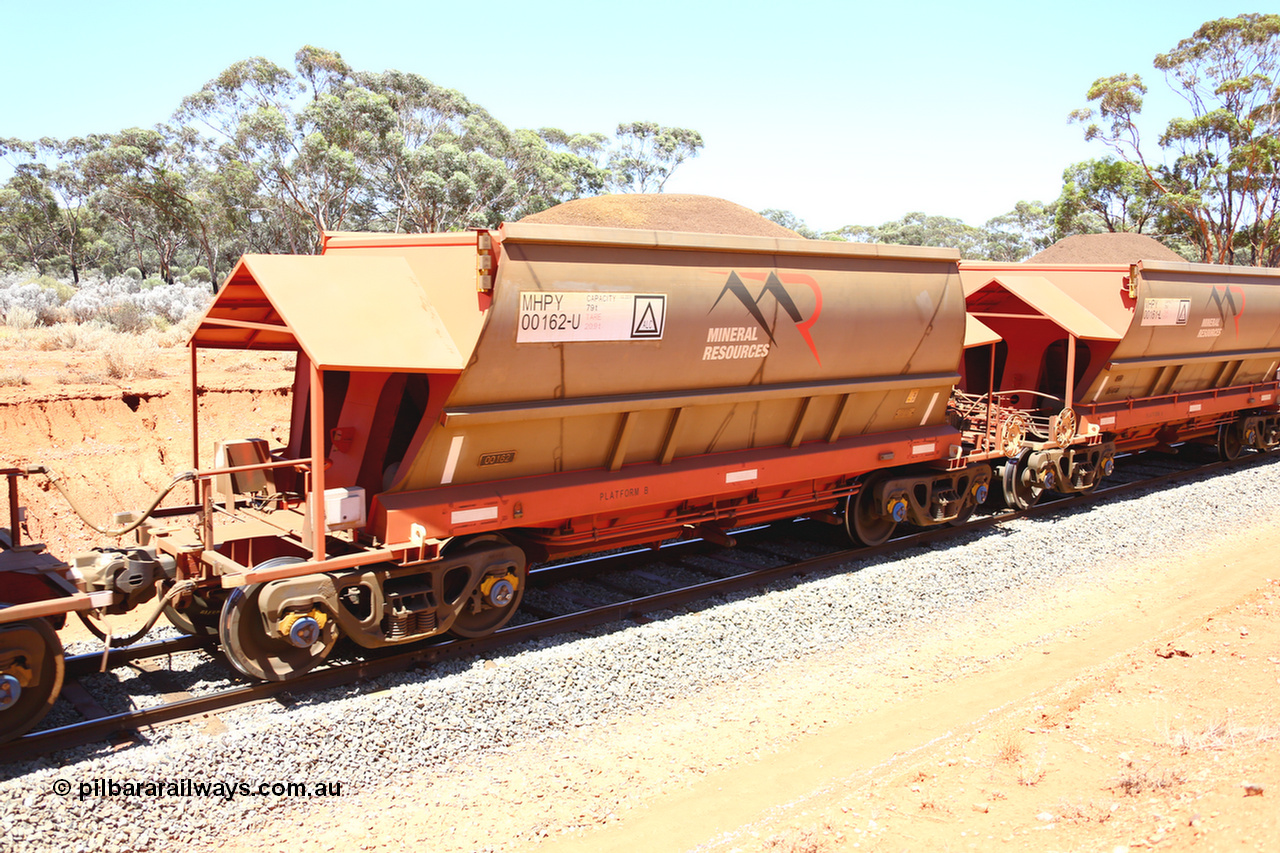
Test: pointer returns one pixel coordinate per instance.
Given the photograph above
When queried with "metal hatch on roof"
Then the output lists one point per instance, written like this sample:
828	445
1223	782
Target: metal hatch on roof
350	313
1049	301
977	333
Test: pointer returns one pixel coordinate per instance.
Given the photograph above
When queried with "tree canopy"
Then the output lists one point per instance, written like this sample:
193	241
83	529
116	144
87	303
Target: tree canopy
1012	236
266	158
1216	174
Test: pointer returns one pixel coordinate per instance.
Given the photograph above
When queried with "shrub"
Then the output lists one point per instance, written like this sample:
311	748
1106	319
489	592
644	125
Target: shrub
200	274
61	289
30	296
127	316
134	273
130	358
123	301
20	317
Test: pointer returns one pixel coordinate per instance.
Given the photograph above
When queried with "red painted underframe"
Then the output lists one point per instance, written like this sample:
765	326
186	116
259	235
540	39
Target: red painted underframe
650	497
1134	414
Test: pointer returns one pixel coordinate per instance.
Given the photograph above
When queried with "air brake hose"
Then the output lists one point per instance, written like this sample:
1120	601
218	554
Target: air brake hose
52	476
109	642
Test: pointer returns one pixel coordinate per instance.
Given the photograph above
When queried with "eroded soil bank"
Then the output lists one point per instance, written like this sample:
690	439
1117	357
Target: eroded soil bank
116	445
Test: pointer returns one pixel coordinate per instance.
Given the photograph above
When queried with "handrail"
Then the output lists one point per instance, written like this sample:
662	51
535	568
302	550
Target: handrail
302	464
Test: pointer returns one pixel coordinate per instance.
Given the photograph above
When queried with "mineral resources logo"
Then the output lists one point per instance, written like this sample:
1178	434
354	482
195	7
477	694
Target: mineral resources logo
1230	304
735	342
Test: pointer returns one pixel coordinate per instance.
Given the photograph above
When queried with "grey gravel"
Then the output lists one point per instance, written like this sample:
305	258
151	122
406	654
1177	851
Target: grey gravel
405	725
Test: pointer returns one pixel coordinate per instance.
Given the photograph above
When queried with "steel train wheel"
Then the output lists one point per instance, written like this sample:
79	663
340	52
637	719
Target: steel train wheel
864	524
1018	490
254	653
1230	442
483	613
22	707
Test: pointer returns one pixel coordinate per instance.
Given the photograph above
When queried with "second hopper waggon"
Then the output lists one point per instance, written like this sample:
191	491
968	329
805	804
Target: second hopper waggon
1100	359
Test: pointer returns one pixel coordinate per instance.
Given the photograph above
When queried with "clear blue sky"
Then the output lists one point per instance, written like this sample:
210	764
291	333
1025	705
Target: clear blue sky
844	113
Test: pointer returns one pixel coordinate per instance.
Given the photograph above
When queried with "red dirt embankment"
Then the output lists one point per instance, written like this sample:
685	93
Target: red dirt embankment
115	445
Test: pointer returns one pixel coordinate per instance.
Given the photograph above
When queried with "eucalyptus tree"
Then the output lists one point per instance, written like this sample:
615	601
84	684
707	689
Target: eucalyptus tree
920	229
789	220
647	154
306	139
224	201
1018	234
1106	195
55	168
28	218
449	164
446	163
143	186
1219	170
578	163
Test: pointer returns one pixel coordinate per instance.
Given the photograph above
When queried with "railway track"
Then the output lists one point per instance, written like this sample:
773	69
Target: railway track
562	598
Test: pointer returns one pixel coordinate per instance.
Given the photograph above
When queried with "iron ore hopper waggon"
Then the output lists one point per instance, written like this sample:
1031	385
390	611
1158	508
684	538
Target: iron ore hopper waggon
467	404
1093	360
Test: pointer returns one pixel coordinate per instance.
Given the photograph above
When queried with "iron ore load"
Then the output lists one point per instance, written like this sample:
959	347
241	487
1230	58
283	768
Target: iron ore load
467	404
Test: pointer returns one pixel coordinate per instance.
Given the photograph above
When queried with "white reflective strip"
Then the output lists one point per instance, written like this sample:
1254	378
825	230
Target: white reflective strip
1195	407
740	476
923	448
930	409
455	450
1101	388
466	516
1266	397
1108	420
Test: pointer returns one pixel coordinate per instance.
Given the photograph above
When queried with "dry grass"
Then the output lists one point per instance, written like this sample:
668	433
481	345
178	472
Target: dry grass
247	363
1009	749
1221	734
1030	776
20	318
816	839
1135	779
10	378
94	335
1083	812
131	358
